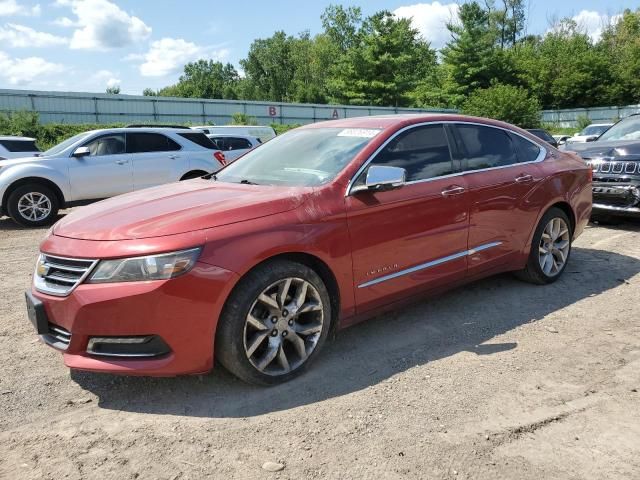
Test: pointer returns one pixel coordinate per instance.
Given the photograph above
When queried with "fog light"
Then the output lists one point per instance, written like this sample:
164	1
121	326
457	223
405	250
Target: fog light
135	347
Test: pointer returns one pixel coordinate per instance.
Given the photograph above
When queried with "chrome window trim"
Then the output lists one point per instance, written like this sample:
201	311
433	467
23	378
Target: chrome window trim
432	263
39	285
541	156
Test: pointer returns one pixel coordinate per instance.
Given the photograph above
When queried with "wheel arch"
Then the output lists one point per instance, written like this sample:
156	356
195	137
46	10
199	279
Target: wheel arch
193	174
39	180
317	265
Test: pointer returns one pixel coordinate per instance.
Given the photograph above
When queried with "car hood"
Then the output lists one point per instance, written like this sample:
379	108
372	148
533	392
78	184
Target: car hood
15	161
580	138
177	208
614	149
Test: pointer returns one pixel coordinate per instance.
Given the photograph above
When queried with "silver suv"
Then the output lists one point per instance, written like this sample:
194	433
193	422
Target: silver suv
100	164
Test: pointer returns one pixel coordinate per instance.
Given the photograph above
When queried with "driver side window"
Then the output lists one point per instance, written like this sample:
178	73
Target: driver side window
422	151
107	145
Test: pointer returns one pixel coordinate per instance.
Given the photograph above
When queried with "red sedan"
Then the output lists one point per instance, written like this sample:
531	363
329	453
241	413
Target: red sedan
315	230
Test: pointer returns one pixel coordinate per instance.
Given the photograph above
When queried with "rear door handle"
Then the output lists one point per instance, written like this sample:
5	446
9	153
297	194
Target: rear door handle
452	190
173	157
524	178
122	162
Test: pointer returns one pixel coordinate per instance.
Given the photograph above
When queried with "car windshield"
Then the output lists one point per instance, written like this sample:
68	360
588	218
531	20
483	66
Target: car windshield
627	129
594	130
302	157
64	145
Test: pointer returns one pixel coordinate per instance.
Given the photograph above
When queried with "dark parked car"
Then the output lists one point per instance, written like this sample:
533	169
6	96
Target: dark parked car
544	135
615	159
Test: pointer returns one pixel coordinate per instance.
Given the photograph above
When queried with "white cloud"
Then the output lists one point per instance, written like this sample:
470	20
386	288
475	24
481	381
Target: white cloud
26	70
102	25
21	36
431	19
105	78
593	23
11	7
65	22
169	55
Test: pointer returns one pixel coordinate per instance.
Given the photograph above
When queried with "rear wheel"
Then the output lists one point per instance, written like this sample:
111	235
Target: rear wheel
33	205
274	323
550	249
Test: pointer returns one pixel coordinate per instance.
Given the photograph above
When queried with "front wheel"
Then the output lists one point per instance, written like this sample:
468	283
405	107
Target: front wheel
550	249
33	205
274	323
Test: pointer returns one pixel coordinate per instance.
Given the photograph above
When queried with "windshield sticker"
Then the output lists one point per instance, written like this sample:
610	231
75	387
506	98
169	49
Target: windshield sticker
359	132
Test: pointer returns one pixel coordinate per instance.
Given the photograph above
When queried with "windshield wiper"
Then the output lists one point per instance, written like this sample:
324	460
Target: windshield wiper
244	181
210	176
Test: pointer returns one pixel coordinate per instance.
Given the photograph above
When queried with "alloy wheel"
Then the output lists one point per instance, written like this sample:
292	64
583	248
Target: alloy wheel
34	206
283	326
554	247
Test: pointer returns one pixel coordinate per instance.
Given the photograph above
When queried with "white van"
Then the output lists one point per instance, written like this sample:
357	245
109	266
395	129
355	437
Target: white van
257	131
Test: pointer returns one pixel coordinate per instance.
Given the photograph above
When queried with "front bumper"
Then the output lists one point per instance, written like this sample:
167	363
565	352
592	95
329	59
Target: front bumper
183	312
616	199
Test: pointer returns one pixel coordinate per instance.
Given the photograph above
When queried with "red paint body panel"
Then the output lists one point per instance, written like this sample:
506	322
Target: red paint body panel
359	238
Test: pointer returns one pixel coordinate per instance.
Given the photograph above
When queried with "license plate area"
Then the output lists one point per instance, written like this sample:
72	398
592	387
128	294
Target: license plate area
37	314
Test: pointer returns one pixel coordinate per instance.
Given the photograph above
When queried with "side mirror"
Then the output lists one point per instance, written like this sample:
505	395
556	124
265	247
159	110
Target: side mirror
81	152
382	178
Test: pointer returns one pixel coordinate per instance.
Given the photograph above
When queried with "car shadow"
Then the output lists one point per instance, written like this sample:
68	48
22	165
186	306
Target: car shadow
465	319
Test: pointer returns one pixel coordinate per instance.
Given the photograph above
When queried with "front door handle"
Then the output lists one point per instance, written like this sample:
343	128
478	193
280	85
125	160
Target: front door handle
122	162
524	178
173	157
452	190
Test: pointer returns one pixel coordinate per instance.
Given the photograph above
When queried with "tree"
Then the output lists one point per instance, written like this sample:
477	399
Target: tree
471	59
563	68
341	25
149	92
115	90
387	63
204	79
504	102
621	44
270	67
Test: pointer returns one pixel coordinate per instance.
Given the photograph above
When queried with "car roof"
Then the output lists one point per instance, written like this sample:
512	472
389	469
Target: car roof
11	137
599	125
143	130
230	135
399	120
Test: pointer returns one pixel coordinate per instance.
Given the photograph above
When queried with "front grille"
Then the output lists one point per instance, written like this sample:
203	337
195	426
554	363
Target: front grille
613	167
58	336
59	275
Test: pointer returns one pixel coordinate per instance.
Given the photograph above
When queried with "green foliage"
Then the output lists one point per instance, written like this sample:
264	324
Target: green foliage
381	60
504	102
239	118
281	128
388	62
583	121
115	90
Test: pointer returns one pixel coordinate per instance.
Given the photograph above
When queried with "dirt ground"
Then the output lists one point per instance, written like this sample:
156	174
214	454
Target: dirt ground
496	380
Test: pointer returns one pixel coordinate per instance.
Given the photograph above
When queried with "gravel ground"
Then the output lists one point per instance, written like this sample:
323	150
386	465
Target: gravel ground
496	380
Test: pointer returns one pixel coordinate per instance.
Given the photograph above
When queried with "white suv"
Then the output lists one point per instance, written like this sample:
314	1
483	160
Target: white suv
100	164
16	147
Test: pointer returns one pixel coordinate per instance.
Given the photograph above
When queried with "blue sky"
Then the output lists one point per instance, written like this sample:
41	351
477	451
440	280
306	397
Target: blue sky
87	45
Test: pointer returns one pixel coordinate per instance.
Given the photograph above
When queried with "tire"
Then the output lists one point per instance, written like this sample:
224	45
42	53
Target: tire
33	194
276	328
192	175
534	272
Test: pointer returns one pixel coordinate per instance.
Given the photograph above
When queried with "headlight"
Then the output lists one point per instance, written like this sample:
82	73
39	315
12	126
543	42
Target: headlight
153	267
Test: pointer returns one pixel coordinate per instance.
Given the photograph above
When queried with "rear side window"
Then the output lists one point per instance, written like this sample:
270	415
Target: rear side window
106	145
199	139
231	143
485	147
150	142
422	151
527	150
20	145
